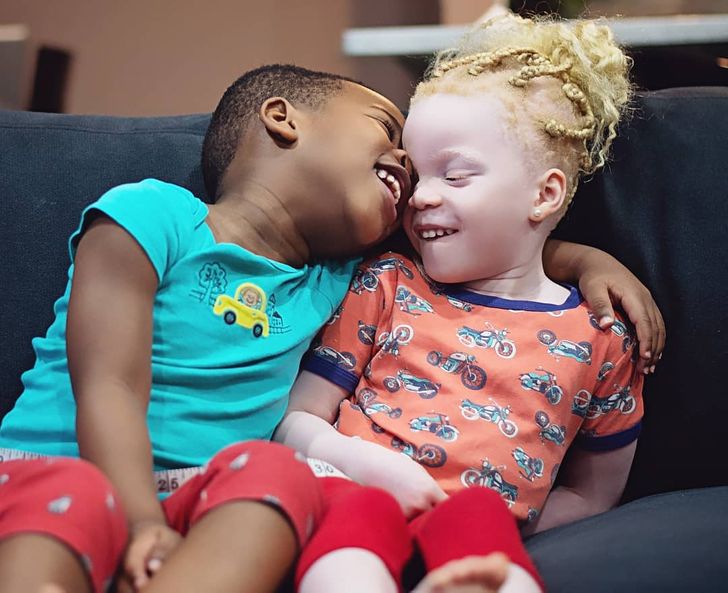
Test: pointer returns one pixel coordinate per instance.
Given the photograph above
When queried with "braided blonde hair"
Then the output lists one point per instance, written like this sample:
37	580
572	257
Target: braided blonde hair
576	66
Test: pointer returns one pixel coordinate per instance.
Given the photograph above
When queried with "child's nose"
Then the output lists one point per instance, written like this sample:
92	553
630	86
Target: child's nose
424	197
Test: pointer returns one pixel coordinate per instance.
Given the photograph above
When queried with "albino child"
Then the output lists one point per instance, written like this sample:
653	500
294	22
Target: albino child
456	380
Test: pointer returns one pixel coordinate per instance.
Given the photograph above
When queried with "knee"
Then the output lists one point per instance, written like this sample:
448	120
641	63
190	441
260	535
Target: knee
368	505
479	498
269	450
252	460
88	482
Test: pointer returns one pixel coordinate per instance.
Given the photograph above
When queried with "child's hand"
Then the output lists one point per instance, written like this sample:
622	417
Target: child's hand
416	491
150	544
614	284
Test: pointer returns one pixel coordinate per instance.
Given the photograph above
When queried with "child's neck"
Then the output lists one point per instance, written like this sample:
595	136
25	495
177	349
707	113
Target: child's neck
265	231
521	283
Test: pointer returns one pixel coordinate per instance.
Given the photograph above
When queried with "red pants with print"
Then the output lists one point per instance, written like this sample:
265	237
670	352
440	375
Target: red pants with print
72	501
69	500
474	521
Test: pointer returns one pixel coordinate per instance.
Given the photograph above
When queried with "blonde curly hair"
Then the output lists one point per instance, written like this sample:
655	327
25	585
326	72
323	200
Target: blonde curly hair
570	77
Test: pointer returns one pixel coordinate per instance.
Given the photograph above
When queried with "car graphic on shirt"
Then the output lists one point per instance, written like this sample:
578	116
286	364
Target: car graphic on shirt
246	308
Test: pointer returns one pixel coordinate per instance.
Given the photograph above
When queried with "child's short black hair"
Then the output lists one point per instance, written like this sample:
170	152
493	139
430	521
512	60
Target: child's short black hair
241	103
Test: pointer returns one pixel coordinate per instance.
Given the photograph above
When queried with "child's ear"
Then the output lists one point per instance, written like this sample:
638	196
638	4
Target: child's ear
279	118
551	195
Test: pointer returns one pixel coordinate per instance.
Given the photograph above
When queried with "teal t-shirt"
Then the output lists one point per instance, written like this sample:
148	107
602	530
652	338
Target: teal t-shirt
230	329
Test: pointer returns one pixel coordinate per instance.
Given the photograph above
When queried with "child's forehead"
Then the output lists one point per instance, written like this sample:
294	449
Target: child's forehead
455	110
359	98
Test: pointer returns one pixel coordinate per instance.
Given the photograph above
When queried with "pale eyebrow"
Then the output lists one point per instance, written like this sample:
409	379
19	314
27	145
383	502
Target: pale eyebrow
467	157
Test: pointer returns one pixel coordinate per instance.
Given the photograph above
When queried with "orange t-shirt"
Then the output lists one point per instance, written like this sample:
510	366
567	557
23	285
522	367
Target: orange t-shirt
482	391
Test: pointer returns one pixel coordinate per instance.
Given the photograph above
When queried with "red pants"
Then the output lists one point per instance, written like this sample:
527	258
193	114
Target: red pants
474	521
72	501
69	500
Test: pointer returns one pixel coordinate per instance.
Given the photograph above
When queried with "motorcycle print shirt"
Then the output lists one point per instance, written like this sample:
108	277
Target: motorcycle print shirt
482	391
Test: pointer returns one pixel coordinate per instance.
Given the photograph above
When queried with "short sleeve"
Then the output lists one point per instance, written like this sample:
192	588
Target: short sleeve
344	346
157	215
615	410
334	281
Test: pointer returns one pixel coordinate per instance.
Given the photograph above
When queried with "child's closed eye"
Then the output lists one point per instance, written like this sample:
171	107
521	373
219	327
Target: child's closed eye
455	177
390	128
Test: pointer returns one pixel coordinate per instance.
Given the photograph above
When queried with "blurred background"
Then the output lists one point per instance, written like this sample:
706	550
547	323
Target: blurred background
167	57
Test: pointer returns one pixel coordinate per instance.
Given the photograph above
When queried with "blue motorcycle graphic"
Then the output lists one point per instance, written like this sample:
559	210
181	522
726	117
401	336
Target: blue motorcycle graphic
425	388
459	363
490	337
618	329
543	382
366	333
368	279
579	351
531	467
490	413
366	400
550	432
345	360
437	424
621	400
580	405
410	303
364	280
391	342
604	370
458	304
490	476
391	263
337	314
427	455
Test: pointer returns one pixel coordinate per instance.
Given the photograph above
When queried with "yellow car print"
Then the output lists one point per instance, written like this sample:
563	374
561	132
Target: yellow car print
247	309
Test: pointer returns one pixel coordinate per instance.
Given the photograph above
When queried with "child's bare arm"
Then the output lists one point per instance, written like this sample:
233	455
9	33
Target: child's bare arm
605	282
109	336
589	483
308	428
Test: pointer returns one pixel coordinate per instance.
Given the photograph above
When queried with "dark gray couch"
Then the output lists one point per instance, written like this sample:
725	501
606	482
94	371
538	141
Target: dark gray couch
661	207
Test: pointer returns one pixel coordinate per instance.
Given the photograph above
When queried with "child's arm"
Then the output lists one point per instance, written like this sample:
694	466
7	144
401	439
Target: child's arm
589	483
603	281
308	428
109	334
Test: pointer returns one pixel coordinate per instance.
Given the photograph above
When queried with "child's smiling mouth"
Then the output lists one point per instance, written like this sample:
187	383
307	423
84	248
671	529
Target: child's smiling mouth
392	183
395	178
432	233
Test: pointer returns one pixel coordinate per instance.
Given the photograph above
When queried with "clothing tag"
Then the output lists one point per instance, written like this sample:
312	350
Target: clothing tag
323	469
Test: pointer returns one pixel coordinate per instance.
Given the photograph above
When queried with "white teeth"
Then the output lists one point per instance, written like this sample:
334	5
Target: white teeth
434	233
392	183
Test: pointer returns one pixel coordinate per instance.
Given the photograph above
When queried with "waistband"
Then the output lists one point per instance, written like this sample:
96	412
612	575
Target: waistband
169	480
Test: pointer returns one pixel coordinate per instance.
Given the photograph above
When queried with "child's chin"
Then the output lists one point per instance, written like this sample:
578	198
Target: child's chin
443	272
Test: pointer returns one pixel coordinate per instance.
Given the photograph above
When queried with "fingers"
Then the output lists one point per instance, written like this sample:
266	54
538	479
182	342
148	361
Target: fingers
650	328
137	556
161	550
440	495
597	295
661	336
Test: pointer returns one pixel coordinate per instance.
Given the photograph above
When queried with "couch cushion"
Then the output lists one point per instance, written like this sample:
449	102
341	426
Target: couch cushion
661	207
51	167
660	544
